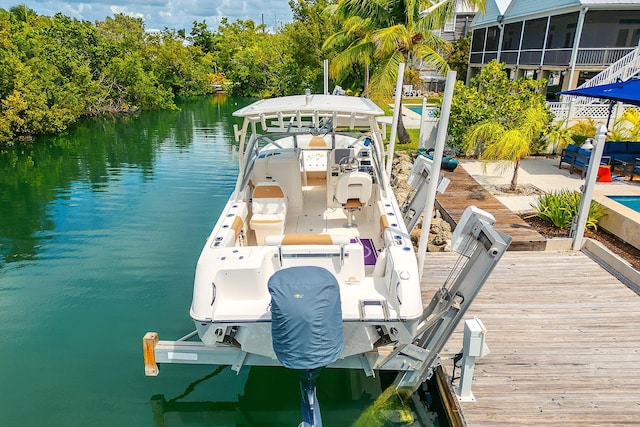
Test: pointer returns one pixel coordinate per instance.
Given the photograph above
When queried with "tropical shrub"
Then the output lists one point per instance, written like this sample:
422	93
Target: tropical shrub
561	207
492	98
626	128
583	129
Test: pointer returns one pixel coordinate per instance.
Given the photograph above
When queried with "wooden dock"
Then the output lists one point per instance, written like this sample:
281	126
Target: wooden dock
464	191
564	341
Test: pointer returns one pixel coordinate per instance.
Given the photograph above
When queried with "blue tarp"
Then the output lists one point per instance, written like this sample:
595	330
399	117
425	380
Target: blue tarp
306	317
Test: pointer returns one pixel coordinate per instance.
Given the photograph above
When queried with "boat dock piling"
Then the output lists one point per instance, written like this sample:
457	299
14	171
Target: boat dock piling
149	343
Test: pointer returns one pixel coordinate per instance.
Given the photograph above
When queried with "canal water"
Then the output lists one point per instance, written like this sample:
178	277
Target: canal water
100	230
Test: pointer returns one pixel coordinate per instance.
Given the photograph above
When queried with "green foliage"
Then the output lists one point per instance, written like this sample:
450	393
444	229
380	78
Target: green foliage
378	35
561	207
626	128
458	57
559	135
264	64
492	97
499	119
56	69
583	129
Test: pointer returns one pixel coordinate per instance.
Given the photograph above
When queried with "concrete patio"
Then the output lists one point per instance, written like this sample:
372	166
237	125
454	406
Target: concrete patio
543	173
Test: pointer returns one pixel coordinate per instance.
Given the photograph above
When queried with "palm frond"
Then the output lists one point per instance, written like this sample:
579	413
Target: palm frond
384	78
391	39
512	147
359	52
378	10
483	134
426	53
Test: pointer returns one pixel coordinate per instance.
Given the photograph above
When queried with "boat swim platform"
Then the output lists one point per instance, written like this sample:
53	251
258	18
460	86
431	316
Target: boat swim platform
464	191
563	338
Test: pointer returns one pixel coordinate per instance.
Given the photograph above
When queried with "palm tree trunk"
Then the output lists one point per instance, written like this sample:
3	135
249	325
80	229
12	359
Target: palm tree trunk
403	135
366	77
514	179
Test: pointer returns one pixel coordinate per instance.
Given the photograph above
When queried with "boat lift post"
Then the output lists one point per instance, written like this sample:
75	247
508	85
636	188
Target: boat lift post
325	63
396	112
587	189
435	169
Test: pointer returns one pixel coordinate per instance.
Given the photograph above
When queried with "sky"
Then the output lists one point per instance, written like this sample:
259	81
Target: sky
172	14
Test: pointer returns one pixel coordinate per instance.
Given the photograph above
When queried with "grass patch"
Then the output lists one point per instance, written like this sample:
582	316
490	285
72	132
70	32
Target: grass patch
414	134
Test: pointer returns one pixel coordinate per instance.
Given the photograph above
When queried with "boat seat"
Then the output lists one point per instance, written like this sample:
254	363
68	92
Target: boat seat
269	210
307	239
318	142
282	167
353	190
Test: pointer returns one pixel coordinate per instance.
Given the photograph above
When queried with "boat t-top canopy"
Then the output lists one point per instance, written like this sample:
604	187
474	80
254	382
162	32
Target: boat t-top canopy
310	104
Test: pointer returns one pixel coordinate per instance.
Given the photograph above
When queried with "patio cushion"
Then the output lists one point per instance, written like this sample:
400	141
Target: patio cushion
583	157
633	148
614	147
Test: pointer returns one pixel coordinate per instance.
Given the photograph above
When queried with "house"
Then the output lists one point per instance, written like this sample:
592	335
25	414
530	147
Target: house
566	42
459	24
456	27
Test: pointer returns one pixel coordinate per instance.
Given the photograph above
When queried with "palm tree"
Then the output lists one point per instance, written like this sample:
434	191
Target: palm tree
22	13
508	144
559	135
629	125
383	33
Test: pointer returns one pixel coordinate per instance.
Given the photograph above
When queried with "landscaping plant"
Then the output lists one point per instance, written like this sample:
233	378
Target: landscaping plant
561	207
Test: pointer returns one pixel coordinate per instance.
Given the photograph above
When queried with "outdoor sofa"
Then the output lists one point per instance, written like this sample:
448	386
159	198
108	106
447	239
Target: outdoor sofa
577	157
623	154
615	153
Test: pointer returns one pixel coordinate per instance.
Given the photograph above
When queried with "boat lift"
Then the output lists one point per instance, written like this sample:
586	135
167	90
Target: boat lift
418	178
480	247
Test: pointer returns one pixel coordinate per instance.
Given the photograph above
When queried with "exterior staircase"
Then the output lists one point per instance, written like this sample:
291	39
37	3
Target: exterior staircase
580	106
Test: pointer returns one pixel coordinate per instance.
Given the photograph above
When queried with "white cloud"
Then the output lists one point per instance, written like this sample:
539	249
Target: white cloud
124	11
170	13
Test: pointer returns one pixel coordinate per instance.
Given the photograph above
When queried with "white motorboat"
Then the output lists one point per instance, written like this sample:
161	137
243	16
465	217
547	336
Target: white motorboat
312	192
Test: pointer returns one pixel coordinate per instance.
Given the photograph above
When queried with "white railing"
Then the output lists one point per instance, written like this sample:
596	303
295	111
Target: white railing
598	112
601	57
623	69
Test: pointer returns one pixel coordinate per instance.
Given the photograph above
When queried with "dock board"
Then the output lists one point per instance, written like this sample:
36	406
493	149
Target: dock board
564	341
464	191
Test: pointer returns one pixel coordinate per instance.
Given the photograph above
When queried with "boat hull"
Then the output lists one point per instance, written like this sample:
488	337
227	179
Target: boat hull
255	337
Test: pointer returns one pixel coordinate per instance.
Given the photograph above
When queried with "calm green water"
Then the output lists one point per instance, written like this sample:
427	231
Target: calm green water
100	231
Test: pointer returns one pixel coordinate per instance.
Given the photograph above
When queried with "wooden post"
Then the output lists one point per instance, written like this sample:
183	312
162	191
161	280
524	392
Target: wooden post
149	342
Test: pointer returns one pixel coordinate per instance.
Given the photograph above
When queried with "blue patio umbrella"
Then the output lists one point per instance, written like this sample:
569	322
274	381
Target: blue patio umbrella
627	92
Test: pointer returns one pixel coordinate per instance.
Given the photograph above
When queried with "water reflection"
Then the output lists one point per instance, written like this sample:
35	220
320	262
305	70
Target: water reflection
270	397
93	154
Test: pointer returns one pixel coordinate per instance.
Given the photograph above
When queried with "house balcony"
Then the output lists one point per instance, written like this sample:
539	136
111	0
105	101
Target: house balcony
595	58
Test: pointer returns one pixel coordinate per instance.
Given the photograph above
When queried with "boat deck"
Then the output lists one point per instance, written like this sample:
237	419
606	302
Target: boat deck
317	218
564	342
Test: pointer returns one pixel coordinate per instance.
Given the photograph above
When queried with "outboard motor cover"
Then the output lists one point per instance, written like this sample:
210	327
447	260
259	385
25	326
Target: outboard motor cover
306	317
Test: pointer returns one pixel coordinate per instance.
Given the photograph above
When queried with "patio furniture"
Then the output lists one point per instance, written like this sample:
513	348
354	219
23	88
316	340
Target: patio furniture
577	157
635	170
617	163
624	151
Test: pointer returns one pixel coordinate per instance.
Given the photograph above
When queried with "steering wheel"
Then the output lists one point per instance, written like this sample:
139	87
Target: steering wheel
348	164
